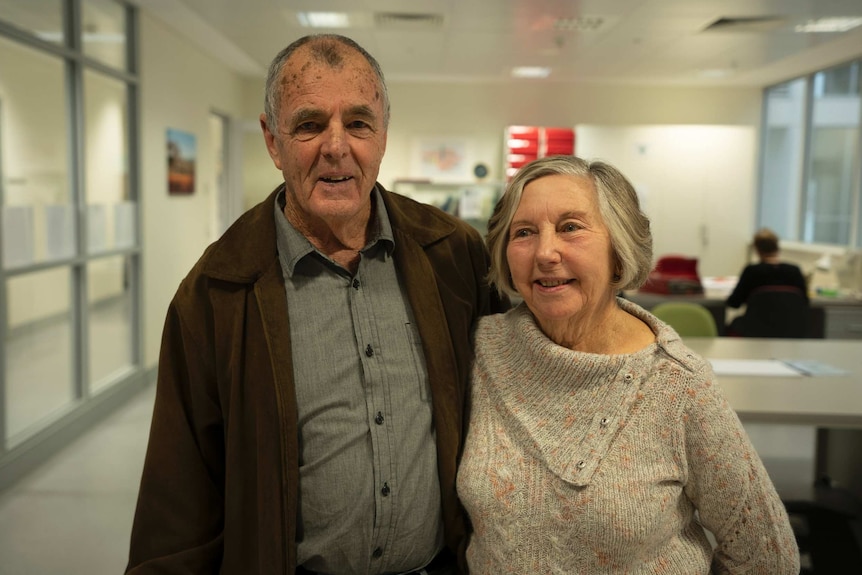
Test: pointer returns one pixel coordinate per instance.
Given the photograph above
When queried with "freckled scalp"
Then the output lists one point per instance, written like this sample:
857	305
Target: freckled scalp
329	53
332	50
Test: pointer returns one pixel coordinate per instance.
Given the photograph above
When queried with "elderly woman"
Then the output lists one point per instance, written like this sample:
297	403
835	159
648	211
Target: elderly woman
598	442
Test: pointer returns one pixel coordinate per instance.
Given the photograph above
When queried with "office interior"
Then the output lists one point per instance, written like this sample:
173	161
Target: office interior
95	241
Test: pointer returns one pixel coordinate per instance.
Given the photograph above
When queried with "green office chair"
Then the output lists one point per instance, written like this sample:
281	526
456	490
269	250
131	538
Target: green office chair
688	319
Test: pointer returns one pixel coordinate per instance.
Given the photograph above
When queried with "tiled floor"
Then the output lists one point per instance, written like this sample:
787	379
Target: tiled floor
73	515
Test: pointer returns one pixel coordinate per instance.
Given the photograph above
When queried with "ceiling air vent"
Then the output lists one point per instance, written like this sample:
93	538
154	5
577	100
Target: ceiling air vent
411	20
746	24
581	24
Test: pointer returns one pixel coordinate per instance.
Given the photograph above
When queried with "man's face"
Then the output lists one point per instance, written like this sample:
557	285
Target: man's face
330	136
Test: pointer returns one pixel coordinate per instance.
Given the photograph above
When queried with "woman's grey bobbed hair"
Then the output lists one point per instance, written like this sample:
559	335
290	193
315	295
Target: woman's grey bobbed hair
628	226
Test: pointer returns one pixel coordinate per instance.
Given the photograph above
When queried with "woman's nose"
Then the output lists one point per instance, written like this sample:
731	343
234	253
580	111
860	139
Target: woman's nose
547	250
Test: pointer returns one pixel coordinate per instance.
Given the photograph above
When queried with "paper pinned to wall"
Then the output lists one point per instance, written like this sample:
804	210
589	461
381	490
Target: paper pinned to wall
18	246
59	231
97	224
124	224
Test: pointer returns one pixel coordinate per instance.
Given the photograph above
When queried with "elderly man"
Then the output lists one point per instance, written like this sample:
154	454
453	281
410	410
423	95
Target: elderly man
313	374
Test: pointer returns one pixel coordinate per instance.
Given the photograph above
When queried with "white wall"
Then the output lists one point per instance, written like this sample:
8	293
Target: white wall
696	183
482	112
180	86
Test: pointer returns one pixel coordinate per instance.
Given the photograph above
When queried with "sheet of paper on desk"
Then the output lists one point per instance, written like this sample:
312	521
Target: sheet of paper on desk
756	367
814	367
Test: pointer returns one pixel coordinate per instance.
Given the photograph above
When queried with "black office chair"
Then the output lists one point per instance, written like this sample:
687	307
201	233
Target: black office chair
773	311
828	531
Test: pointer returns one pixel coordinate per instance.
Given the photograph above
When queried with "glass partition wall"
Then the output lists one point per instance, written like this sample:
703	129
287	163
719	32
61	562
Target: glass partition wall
69	241
810	158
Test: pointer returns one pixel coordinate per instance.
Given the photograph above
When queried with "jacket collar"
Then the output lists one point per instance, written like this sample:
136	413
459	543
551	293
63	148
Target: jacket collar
248	247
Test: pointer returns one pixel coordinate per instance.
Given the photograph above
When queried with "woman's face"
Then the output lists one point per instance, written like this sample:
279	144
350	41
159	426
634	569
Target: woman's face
559	251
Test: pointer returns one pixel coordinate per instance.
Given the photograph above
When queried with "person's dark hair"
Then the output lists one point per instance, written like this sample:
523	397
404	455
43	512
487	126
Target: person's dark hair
628	226
766	242
324	48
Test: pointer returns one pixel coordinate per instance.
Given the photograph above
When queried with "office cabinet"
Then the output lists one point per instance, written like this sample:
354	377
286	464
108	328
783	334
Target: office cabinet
843	321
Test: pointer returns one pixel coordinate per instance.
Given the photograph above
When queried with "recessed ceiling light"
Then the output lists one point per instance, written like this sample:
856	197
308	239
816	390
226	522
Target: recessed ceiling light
531	72
715	73
106	38
323	19
828	25
53	36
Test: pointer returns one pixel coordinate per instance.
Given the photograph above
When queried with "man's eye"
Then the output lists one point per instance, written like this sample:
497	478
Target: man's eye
358	125
306	127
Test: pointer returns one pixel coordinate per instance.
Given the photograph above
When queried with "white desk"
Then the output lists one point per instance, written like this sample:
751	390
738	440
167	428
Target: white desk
827	403
829	400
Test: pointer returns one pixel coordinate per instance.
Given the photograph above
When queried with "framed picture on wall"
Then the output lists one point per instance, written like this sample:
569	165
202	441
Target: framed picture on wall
182	153
442	159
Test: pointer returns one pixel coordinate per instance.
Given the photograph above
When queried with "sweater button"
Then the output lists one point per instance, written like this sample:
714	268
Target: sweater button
581	464
604	421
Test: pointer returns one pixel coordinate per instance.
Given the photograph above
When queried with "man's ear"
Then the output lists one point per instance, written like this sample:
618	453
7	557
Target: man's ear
271	144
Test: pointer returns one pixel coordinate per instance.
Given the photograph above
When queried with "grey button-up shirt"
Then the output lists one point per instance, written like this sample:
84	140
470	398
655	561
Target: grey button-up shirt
369	491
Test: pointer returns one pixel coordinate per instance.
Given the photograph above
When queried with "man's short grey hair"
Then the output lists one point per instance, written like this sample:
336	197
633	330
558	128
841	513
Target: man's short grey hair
628	226
325	48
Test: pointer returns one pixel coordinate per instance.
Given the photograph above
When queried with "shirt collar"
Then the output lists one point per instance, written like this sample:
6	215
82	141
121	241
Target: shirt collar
293	246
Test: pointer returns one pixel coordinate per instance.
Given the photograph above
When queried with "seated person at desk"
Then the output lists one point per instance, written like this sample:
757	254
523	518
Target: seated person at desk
598	442
768	272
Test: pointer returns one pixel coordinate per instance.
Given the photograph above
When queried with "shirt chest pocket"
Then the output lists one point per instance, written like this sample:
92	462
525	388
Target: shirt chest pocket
418	361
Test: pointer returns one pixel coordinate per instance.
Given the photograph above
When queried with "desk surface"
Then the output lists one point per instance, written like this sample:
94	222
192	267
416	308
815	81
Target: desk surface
828	400
717	297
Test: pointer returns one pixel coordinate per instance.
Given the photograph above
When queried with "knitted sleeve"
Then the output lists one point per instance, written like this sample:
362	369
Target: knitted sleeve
732	491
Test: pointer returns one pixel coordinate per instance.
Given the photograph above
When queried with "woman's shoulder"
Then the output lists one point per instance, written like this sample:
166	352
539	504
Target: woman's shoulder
497	325
688	359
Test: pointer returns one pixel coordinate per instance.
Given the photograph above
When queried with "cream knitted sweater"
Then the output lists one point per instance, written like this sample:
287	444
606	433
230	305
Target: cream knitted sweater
579	463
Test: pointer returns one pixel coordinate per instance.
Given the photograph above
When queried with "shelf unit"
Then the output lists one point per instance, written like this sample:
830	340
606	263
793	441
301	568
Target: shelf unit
473	202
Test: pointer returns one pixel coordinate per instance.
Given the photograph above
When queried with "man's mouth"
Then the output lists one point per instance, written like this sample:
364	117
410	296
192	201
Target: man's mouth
335	179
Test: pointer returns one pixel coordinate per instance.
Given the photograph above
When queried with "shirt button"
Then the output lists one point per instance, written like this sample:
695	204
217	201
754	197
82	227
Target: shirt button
368	351
377	553
581	464
355	283
379	419
385	491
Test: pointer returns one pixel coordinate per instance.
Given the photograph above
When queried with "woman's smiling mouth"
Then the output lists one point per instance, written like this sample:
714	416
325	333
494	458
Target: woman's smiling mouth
552	283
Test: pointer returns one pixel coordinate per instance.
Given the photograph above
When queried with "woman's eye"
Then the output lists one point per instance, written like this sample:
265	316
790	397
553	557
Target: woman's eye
570	227
520	233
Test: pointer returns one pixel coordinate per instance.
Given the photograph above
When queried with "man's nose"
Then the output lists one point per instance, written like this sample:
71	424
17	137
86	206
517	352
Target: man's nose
335	142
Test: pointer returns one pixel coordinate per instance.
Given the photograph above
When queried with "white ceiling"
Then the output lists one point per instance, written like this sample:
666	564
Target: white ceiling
635	42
